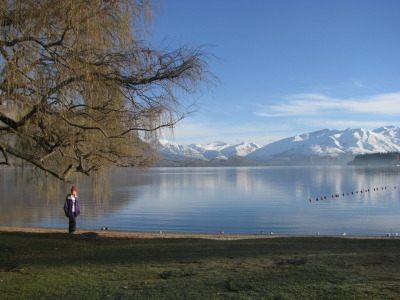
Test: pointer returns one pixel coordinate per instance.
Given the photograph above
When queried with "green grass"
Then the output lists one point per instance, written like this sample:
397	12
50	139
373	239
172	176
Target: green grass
59	266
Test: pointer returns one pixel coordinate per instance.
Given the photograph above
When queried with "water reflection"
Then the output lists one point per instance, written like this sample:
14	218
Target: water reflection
31	201
242	200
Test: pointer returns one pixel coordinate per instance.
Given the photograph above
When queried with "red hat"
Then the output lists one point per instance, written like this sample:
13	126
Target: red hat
73	189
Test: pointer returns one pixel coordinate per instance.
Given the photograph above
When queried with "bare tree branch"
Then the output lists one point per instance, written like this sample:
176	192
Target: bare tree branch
32	160
81	88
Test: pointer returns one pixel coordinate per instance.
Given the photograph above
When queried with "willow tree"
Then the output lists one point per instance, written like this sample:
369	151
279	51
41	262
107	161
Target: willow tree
81	89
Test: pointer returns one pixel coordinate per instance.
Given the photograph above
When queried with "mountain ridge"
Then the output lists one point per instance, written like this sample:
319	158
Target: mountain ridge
330	146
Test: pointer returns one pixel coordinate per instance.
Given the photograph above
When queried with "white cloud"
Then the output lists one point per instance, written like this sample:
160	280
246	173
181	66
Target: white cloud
314	104
190	131
343	124
358	83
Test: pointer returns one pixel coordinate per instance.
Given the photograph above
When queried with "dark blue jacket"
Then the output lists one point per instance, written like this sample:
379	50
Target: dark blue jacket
68	206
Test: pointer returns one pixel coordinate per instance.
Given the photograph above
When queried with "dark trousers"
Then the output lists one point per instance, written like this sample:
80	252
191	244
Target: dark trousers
72	223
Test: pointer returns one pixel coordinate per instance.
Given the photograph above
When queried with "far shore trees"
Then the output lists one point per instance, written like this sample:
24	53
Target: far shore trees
81	88
377	159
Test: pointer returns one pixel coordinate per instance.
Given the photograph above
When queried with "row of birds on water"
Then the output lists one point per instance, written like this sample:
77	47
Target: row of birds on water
351	193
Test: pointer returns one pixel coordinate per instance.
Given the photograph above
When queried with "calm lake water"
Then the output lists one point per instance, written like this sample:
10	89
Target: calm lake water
234	200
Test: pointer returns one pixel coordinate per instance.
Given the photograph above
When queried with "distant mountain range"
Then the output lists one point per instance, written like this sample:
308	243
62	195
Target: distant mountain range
319	147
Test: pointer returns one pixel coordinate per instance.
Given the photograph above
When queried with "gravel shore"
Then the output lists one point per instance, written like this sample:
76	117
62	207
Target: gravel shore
170	235
138	234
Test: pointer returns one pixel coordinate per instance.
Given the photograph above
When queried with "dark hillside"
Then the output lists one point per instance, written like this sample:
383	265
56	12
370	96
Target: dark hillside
377	159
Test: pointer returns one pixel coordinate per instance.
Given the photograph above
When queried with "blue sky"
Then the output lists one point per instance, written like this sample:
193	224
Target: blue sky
288	67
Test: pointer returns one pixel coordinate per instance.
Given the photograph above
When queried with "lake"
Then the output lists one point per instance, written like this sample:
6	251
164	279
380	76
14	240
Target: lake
283	200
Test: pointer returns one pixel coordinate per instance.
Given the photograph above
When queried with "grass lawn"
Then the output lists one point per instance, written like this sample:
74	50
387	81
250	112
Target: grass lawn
60	266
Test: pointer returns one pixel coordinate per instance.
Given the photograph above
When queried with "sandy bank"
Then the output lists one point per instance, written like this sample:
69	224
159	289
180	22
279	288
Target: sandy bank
175	235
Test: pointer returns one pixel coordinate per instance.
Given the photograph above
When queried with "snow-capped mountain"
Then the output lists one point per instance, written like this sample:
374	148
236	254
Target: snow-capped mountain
241	149
324	146
333	144
215	150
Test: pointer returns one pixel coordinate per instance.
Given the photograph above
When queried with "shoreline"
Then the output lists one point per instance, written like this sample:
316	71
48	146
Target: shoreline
122	234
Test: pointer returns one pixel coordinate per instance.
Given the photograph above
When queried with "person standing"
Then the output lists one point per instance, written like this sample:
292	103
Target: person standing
72	209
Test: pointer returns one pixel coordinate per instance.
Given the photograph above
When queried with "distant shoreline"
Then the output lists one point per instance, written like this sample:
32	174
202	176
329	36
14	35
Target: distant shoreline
177	235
